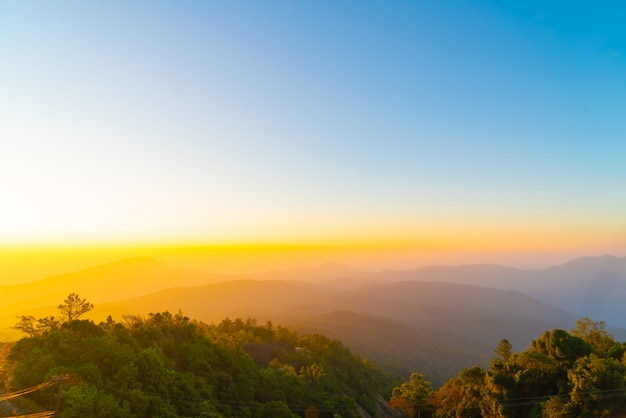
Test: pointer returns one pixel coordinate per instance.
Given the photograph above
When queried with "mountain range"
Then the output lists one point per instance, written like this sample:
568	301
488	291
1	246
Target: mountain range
436	320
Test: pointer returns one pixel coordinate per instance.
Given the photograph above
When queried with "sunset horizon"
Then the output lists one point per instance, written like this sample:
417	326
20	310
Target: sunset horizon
365	134
23	264
290	209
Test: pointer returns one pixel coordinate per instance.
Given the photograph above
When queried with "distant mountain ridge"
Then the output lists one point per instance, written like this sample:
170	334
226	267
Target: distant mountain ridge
438	328
396	318
593	286
587	286
102	283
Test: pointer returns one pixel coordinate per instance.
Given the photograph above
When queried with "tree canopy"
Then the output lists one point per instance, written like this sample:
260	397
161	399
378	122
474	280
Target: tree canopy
168	365
412	397
580	373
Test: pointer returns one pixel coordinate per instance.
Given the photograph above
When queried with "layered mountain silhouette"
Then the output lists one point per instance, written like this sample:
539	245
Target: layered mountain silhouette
437	328
588	286
437	319
119	280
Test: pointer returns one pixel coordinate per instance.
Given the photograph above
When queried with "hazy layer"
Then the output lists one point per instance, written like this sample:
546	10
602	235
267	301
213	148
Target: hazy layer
24	264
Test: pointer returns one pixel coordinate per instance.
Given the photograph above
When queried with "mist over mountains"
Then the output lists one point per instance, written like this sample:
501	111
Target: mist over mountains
588	286
436	319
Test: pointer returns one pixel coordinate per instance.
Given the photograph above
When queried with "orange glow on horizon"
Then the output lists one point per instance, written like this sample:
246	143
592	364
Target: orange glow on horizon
525	247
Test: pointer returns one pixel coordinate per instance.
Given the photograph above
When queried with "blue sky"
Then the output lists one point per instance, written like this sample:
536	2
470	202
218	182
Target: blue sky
313	121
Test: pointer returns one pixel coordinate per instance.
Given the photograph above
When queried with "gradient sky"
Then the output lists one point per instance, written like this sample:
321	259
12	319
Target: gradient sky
470	125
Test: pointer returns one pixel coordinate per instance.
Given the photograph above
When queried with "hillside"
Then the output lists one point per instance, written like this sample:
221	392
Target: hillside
113	281
399	348
172	366
400	320
263	300
435	327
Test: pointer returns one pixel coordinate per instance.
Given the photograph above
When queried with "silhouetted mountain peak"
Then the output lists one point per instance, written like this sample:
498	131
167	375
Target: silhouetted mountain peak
593	262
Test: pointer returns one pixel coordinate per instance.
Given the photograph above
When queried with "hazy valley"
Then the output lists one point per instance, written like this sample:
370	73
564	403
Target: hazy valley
283	342
437	319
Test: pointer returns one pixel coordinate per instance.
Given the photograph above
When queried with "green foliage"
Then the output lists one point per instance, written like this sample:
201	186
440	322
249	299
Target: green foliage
504	349
33	327
168	365
462	396
413	396
562	346
276	409
562	375
88	401
554	407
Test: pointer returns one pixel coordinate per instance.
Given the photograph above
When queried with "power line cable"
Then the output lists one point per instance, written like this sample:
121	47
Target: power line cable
35	415
26	391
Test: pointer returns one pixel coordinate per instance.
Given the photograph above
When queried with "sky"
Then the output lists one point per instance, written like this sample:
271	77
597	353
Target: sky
470	129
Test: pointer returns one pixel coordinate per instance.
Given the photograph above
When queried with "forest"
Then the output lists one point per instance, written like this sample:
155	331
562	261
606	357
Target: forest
562	374
169	365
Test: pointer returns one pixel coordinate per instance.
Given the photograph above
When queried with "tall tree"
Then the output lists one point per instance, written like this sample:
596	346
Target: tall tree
74	307
504	349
